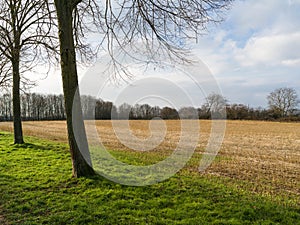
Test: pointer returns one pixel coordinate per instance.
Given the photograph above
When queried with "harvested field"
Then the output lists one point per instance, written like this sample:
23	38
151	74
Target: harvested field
265	156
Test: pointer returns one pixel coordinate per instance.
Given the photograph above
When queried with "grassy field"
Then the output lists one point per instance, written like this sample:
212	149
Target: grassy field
254	180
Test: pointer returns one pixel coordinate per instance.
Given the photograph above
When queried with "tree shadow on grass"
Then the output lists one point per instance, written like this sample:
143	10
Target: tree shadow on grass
28	145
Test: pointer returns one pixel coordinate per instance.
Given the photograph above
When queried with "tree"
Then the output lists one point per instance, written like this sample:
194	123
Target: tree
188	113
25	32
238	112
81	164
283	101
124	111
167	23
216	105
168	113
104	110
5	107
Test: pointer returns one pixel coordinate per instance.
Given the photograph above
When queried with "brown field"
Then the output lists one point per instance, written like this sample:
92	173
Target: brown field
263	157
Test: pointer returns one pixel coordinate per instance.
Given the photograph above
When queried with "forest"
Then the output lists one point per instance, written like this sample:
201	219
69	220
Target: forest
36	106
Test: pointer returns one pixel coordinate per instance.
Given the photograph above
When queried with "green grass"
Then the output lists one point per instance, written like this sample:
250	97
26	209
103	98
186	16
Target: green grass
36	188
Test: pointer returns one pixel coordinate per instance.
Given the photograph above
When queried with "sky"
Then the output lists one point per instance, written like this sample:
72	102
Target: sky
255	50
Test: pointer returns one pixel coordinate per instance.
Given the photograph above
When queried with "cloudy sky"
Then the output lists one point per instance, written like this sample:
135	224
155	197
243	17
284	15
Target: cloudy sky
255	50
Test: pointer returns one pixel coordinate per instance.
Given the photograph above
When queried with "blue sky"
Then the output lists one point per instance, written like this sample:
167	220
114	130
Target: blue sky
255	50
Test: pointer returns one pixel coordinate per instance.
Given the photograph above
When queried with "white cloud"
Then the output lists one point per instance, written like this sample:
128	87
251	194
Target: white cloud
262	33
270	50
253	15
291	62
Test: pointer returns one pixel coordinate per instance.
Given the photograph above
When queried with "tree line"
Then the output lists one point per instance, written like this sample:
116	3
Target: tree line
51	107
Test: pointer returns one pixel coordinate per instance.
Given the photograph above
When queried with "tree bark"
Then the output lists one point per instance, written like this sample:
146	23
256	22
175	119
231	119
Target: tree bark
15	61
18	133
81	162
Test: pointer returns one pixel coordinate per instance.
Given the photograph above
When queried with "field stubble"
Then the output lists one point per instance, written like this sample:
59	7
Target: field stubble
263	157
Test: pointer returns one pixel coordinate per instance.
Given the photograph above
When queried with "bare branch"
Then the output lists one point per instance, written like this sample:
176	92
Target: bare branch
165	28
29	29
5	75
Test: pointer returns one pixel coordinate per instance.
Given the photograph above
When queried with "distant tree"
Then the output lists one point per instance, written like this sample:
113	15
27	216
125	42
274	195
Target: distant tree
188	113
203	112
88	106
124	111
105	110
168	113
155	111
215	105
6	107
135	112
283	101
146	112
238	112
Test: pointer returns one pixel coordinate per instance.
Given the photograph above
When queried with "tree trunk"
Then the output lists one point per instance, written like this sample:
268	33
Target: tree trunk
81	162
18	133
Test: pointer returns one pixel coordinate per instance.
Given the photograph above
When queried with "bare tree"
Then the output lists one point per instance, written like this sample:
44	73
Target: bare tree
283	101
162	26
188	113
26	37
124	111
5	106
215	103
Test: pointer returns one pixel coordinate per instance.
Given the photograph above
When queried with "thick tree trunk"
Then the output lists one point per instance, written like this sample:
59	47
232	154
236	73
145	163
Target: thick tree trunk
18	133
81	161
